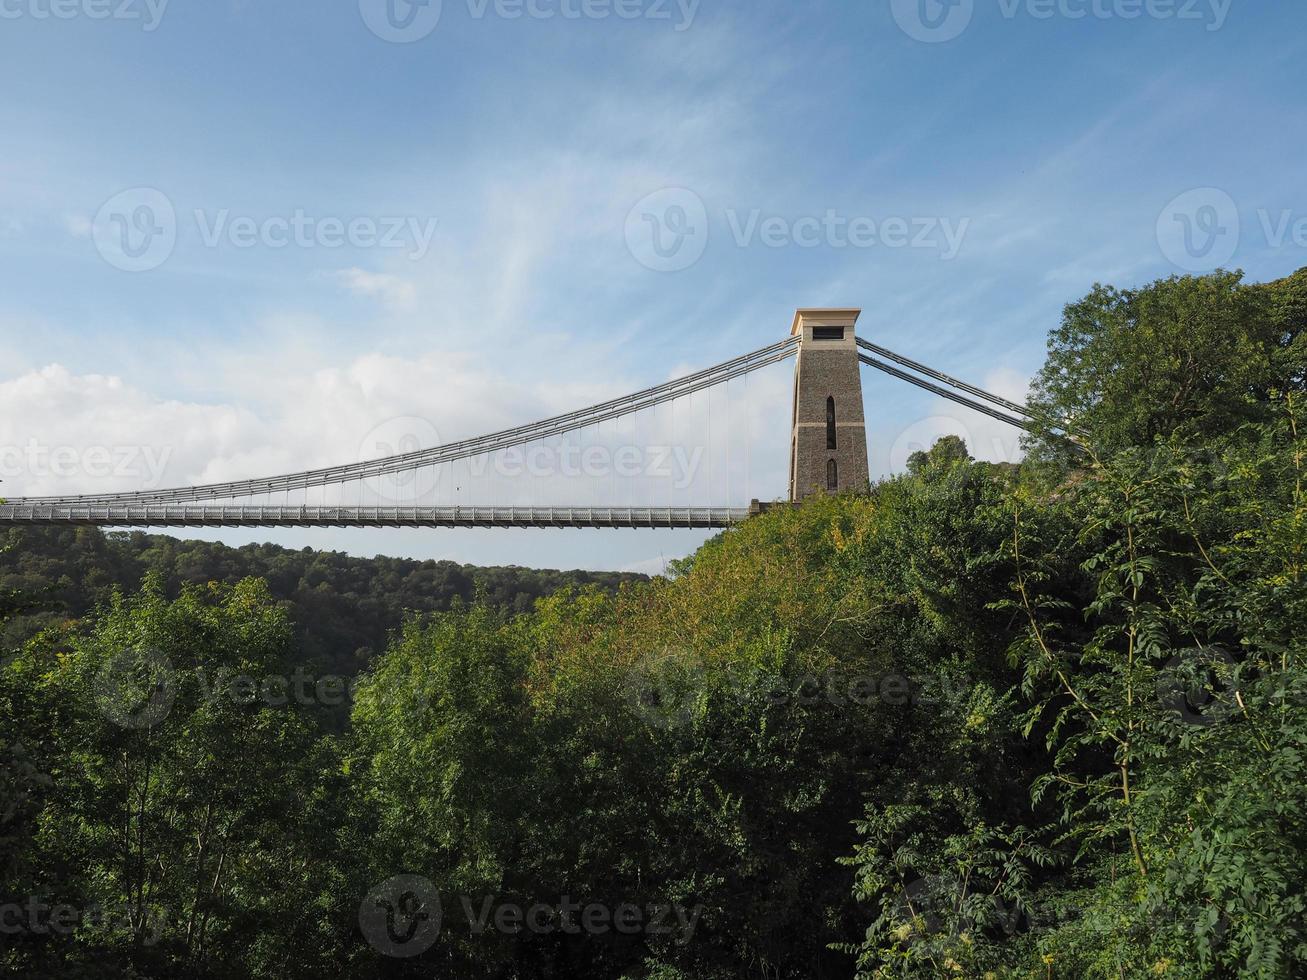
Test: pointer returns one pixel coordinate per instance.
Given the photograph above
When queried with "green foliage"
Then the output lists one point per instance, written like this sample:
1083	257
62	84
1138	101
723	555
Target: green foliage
1189	356
174	801
1156	607
984	721
1175	698
344	609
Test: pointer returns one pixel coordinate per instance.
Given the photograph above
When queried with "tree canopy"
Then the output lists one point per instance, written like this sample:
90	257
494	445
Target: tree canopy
1189	355
1037	720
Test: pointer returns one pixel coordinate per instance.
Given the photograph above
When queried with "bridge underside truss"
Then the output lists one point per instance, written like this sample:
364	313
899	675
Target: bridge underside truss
247	515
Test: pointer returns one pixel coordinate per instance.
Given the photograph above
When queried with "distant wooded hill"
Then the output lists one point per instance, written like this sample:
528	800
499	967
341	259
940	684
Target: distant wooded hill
343	607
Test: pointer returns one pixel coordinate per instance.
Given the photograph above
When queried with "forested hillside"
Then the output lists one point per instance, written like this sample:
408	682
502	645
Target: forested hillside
342	608
983	721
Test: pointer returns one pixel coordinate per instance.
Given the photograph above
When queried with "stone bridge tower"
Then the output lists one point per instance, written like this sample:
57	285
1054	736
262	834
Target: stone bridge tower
828	441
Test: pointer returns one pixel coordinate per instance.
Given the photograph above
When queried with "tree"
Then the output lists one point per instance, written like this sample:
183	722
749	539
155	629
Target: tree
1174	700
1191	356
184	774
946	451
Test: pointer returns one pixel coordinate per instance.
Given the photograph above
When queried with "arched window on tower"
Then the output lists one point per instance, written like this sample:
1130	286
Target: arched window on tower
830	423
832	476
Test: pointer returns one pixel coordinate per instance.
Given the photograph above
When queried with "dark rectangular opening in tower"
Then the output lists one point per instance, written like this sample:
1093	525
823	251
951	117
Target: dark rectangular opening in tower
827	333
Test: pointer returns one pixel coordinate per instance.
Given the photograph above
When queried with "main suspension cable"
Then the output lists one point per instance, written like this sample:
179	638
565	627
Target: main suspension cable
940	376
944	392
558	425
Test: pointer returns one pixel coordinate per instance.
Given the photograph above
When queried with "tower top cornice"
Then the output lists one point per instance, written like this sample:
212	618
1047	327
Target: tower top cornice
824	317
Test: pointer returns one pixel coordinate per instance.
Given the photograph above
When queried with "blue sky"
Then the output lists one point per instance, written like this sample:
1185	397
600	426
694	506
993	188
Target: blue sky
491	169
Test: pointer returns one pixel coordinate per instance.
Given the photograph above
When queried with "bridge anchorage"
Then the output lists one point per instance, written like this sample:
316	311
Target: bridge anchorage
828	454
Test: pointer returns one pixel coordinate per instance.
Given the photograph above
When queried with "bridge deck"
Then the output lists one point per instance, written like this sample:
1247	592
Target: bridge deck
244	515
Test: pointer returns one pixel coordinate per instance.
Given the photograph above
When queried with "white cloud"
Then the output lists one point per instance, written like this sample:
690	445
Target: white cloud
61	432
114	435
57	428
392	290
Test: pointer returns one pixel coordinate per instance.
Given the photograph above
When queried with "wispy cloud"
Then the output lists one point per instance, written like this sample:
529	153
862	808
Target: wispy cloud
393	291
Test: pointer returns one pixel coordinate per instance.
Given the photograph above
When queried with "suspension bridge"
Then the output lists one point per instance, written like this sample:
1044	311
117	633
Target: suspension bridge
828	453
